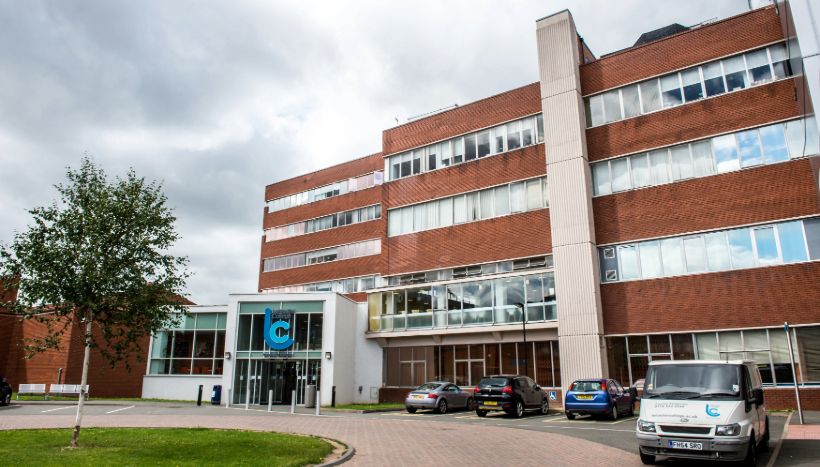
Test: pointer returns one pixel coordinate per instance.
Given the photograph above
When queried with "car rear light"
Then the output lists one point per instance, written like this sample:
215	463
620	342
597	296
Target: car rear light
476	390
603	386
507	390
432	396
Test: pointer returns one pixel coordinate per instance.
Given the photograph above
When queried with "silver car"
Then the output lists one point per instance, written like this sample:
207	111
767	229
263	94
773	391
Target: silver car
440	396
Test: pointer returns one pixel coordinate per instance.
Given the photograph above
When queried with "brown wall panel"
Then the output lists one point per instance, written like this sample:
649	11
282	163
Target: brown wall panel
767	193
724	300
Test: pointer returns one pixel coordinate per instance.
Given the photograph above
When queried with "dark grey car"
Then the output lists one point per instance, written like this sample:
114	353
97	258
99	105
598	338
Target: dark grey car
440	396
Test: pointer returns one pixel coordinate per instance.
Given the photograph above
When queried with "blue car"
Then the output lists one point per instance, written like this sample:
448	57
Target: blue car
598	397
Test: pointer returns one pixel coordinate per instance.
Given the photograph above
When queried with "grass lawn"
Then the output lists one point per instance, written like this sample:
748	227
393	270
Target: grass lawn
159	446
389	405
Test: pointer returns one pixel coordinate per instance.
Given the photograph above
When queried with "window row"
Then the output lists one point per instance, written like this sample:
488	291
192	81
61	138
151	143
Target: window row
629	356
726	153
503	138
487	302
196	352
351	250
339	219
350	285
327	191
486	269
467	364
699	82
748	247
470	207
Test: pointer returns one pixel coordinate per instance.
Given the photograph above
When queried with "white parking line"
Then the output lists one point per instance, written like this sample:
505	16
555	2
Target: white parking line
124	408
58	408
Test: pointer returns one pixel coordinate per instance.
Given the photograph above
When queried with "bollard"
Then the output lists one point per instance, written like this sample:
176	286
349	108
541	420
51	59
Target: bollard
199	397
270	399
333	397
293	401
228	399
318	401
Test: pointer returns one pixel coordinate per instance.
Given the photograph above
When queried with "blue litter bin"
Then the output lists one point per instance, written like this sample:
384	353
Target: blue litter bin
216	394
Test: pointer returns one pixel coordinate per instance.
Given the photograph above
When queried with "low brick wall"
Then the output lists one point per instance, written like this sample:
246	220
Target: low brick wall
783	398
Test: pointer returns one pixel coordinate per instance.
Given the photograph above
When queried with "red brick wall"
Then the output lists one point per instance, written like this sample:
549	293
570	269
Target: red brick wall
514	236
762	194
722	300
474	175
749	107
783	398
509	105
718	39
325	176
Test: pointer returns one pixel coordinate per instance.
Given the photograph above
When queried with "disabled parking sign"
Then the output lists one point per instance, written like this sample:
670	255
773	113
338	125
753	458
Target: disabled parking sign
553	396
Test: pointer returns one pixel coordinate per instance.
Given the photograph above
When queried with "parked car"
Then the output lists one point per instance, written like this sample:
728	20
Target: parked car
440	396
510	393
598	396
701	409
5	392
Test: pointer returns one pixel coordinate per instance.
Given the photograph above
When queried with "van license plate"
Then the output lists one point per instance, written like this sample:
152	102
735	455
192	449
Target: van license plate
686	445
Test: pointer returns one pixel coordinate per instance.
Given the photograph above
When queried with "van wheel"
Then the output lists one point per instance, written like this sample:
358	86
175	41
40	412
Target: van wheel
764	442
614	414
481	413
647	459
751	453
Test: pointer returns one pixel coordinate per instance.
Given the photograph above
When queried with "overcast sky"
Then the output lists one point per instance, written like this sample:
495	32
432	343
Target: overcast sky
219	99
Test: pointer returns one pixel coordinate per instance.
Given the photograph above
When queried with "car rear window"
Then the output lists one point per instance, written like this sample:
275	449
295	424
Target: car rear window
428	387
585	386
493	382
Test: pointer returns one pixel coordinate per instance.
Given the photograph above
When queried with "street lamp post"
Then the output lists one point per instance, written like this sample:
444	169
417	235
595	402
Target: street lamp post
524	329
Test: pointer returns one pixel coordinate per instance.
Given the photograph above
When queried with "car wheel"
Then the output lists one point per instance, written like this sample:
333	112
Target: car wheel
481	413
647	459
545	407
764	442
442	406
411	409
519	409
614	414
470	404
751	453
570	416
7	400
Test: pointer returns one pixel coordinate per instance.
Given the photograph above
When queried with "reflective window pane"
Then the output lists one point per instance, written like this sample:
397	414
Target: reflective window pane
600	178
735	70
640	170
702	158
595	110
620	175
487	202
650	255
749	144
682	163
774	143
518	197
766	245
533	194
628	261
713	79
612	106
792	241
502	200
717	251
632	104
650	95
695	254
670	89
758	63
659	164
726	158
692	90
672	254
740	246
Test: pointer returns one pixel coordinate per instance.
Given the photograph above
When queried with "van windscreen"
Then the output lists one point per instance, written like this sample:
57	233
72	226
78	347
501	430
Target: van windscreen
693	381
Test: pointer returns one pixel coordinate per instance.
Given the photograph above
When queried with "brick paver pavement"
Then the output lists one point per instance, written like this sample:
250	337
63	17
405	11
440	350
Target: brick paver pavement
803	432
381	442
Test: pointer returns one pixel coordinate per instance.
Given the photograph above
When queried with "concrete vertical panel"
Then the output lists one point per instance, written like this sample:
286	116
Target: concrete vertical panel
580	320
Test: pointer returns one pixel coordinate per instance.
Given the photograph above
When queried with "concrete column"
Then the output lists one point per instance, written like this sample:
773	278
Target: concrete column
580	322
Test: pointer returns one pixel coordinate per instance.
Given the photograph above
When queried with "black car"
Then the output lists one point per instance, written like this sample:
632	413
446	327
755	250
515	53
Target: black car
510	393
5	392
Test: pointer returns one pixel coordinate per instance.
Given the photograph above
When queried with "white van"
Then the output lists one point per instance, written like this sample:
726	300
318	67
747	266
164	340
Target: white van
702	409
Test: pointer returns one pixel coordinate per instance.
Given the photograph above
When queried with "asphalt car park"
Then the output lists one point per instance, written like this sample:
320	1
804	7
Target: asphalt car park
618	433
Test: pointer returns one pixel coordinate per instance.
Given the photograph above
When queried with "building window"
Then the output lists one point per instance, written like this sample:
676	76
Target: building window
327	191
510	136
717	77
339	219
195	347
480	205
767	245
351	250
720	154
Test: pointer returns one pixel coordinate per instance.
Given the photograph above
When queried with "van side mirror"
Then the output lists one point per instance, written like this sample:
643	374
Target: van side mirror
633	392
757	394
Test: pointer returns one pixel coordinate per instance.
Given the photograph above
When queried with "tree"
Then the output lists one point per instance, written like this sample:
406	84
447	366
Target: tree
98	258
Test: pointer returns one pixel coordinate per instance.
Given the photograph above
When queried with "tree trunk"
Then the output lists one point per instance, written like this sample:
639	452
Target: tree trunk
75	436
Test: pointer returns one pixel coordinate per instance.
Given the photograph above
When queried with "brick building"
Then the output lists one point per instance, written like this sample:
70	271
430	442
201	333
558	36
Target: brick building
658	202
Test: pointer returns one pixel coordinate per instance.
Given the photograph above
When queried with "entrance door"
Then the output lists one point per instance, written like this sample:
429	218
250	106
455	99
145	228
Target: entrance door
259	380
